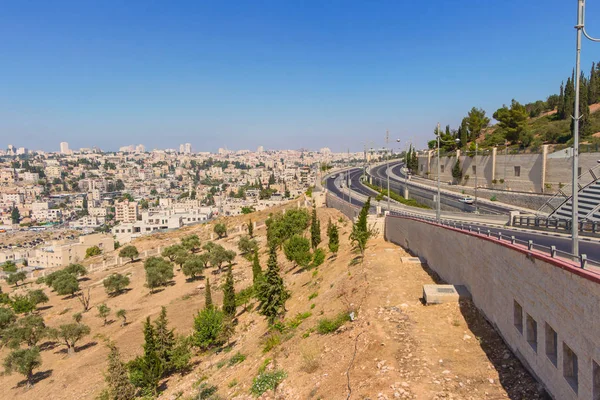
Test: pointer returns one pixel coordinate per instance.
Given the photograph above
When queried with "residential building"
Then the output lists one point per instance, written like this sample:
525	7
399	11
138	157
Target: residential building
126	211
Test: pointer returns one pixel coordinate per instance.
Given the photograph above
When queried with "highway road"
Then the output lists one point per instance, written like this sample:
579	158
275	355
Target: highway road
590	248
451	200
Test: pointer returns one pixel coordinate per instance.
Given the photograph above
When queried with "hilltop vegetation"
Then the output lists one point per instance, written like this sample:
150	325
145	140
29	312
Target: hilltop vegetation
533	124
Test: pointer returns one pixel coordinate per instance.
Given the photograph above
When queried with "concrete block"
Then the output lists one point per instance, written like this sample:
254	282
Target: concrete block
412	260
438	294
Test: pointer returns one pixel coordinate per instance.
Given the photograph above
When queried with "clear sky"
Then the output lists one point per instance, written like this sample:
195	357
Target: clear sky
281	73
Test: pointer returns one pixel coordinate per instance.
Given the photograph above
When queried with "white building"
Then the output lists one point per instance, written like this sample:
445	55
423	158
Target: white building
30	176
64	148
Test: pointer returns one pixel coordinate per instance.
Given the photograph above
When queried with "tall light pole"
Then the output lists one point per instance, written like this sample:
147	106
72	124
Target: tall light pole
438	210
505	161
575	183
387	167
405	170
348	178
580	27
476	173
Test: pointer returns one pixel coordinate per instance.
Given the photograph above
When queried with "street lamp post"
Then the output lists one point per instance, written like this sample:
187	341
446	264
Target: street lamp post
387	167
505	161
476	173
580	27
438	210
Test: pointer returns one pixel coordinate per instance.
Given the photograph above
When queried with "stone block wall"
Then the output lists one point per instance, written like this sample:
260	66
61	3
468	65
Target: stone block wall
547	310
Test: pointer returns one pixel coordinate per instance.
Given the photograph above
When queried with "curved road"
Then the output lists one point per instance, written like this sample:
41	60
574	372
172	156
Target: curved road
590	248
451	200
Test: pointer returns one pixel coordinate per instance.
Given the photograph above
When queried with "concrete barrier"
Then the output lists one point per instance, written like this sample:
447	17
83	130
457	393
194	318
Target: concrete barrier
546	309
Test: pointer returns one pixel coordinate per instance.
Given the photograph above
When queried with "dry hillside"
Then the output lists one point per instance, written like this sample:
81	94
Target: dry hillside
395	348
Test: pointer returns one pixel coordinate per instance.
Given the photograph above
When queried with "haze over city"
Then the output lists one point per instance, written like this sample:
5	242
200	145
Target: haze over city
280	74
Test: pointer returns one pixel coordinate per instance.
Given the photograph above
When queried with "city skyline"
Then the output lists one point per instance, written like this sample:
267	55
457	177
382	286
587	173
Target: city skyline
282	75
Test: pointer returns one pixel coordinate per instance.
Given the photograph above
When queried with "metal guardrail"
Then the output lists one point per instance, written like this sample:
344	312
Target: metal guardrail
589	228
582	261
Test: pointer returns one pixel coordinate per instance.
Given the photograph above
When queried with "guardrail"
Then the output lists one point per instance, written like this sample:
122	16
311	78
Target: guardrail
588	228
582	261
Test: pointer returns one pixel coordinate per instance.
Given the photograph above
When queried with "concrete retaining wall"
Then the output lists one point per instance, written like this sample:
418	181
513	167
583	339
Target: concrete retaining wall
526	295
348	210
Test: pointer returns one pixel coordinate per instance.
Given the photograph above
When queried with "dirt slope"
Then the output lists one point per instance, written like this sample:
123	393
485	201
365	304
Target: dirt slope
396	347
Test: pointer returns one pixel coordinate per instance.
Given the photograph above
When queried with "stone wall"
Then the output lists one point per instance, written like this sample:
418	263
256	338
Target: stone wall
538	304
520	172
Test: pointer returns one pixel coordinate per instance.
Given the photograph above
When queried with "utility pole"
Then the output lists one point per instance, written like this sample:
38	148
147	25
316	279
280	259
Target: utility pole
439	207
387	167
477	173
575	184
348	178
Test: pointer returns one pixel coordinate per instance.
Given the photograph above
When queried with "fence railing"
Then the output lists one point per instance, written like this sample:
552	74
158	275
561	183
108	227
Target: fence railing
581	261
588	228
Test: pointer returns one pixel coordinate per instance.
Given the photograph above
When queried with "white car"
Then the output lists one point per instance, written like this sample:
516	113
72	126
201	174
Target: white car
467	200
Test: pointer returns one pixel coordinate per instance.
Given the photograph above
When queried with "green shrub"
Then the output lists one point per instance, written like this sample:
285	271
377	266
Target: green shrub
267	381
297	320
326	325
208	327
396	196
313	295
271	341
236	359
318	257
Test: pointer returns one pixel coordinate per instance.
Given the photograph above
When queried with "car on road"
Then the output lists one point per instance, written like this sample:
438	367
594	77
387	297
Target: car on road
466	200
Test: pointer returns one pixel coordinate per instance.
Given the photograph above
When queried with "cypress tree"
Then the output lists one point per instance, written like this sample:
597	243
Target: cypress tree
164	337
117	378
315	229
561	102
250	228
360	231
149	338
229	294
334	237
569	99
272	292
256	269
593	86
207	295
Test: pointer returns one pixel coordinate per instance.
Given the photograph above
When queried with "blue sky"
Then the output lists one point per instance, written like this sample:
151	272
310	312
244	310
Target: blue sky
282	74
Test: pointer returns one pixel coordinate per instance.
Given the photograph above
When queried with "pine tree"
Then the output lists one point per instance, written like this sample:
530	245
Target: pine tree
229	295
208	303
315	229
272	292
117	378
164	338
256	269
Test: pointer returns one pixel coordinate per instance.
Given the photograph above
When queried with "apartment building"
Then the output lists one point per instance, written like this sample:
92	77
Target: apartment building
61	253
53	171
126	211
